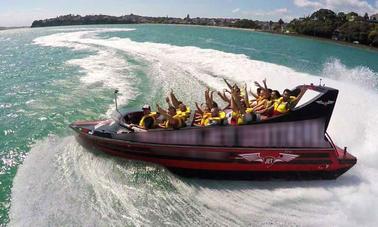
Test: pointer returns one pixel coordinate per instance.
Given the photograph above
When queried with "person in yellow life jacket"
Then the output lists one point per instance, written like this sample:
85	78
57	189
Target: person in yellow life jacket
238	106
215	117
173	119
148	121
183	111
257	97
280	106
235	118
205	119
264	101
286	102
266	110
199	113
275	95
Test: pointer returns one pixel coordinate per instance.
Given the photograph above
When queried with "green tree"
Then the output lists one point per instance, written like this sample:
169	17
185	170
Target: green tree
246	24
366	17
356	31
373	36
321	23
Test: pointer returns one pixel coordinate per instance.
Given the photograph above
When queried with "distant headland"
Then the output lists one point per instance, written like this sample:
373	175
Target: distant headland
324	23
7	28
136	19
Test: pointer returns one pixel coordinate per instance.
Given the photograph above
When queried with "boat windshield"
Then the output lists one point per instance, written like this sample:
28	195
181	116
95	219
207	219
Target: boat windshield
307	96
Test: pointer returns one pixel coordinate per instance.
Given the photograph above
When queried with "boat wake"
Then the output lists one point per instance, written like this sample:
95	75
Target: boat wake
61	183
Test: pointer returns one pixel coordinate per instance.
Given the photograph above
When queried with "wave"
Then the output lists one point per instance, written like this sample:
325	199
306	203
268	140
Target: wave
78	187
97	68
114	74
360	75
64	184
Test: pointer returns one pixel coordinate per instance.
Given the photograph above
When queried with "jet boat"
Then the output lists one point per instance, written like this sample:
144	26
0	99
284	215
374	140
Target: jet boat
295	145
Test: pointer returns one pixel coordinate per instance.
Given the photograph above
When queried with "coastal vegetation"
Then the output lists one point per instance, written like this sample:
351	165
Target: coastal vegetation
349	27
324	23
136	19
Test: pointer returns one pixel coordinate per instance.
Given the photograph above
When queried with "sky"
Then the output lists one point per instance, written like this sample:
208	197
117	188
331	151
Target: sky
24	12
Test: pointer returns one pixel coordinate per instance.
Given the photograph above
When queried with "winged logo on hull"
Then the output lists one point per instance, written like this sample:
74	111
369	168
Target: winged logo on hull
325	103
269	159
252	157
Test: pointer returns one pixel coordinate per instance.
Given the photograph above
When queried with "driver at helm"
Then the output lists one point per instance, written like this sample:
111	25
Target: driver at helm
148	121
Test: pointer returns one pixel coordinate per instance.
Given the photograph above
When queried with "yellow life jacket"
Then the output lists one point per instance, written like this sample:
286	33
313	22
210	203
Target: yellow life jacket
209	119
282	106
249	110
152	114
205	119
236	119
240	120
184	114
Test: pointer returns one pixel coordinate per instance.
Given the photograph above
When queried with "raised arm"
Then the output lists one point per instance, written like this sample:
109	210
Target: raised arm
234	106
228	84
259	85
235	102
246	99
199	108
296	100
168	101
208	98
264	82
163	112
223	97
175	102
253	94
211	98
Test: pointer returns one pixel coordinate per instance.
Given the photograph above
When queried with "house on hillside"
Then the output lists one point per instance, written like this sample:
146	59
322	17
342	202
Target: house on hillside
336	34
352	16
374	17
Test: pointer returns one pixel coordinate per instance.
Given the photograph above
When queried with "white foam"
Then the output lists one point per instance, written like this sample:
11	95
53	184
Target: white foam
360	75
115	74
96	183
72	186
105	68
68	39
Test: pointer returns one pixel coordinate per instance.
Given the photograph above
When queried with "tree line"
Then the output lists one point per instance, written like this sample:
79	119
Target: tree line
349	27
136	19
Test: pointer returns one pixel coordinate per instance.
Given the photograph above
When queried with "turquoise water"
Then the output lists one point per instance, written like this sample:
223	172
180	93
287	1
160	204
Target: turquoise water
53	76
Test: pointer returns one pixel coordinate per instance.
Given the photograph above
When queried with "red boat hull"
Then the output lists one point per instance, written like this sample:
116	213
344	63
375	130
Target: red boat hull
229	162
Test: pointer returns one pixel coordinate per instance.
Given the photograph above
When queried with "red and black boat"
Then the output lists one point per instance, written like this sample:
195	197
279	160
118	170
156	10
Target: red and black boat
292	145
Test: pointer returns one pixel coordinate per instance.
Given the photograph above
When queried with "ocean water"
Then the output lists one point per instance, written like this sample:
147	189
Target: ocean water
50	77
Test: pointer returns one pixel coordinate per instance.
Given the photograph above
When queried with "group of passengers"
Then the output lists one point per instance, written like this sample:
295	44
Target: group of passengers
239	110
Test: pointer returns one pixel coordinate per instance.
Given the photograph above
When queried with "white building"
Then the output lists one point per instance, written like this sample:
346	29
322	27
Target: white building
374	17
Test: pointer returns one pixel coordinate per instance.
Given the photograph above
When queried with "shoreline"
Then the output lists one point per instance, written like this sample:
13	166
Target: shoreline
338	42
10	28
